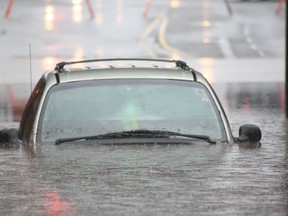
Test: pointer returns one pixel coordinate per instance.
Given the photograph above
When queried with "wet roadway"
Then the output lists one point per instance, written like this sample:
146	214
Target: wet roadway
241	56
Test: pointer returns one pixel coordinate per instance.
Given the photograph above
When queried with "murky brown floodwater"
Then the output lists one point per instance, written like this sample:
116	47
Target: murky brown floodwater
200	179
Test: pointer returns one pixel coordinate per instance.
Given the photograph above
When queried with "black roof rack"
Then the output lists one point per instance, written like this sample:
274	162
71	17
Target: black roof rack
181	64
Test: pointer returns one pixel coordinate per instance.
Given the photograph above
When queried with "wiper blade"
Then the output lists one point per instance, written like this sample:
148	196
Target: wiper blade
136	134
115	135
201	137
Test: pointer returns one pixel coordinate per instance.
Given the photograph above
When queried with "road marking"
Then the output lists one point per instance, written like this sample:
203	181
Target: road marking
162	41
153	24
162	23
251	43
143	39
226	48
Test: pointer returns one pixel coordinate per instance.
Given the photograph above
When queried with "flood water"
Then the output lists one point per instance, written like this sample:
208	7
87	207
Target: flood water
198	179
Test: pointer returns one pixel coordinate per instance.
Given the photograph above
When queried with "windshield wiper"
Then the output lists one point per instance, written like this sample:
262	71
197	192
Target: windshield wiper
137	134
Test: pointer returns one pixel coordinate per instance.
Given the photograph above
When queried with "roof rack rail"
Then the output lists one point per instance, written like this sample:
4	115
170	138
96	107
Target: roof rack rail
181	64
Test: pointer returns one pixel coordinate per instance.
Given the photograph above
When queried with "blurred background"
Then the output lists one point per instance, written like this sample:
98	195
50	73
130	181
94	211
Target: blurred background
237	45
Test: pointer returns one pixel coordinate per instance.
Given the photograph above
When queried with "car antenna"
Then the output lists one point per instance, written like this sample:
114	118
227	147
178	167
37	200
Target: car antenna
30	66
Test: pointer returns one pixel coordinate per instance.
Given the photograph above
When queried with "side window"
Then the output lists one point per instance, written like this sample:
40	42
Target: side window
30	110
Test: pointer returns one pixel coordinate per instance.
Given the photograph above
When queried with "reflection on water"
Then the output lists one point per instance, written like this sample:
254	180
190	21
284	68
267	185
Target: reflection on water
269	96
73	179
49	18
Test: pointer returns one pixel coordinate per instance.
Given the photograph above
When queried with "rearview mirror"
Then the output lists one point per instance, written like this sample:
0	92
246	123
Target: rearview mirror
249	133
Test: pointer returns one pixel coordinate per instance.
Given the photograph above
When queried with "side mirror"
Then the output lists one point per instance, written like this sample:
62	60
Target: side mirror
9	136
249	133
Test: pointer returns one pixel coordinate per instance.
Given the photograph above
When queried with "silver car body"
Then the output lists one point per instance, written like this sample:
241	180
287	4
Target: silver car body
59	76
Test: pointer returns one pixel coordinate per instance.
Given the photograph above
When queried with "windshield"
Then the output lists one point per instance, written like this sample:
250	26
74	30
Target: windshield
90	108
